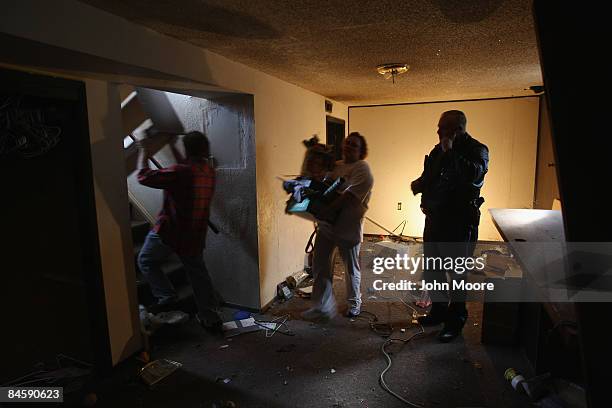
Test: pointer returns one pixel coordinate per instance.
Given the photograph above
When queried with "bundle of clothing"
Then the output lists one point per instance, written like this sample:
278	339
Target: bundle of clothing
313	190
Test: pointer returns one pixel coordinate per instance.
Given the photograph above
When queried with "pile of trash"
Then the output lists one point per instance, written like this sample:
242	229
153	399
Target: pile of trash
74	376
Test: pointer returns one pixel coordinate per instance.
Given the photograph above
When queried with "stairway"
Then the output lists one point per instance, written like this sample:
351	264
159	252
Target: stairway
144	203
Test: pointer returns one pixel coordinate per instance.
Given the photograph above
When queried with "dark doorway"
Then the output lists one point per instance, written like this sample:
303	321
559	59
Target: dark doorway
335	135
51	289
581	163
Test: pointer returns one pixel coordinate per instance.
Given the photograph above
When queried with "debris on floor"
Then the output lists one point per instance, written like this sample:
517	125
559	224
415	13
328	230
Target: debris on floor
295	279
546	391
67	372
283	291
424	302
273	326
264	371
498	260
305	292
241	314
157	370
237	327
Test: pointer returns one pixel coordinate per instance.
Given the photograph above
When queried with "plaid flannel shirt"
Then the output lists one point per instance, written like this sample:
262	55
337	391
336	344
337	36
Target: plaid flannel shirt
183	220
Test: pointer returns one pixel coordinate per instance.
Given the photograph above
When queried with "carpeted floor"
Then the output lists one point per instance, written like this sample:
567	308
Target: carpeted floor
324	365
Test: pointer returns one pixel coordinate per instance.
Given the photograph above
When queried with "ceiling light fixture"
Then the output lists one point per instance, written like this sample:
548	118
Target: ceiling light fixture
391	70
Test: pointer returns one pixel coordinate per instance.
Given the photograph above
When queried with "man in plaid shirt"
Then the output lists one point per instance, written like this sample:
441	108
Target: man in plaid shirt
181	225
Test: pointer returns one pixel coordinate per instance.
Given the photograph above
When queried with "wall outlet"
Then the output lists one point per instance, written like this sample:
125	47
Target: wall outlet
399	205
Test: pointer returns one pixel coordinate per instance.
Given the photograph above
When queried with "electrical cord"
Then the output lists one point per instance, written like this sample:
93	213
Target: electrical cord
382	329
381	378
392	234
310	246
380	226
403	225
376	328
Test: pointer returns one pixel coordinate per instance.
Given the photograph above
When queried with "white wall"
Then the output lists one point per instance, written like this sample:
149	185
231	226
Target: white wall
400	136
103	110
287	121
228	122
284	113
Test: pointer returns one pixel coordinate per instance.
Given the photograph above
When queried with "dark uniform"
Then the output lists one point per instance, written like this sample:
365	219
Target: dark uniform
450	187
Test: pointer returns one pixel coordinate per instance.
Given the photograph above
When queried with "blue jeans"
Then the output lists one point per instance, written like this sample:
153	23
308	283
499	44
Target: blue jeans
153	253
323	271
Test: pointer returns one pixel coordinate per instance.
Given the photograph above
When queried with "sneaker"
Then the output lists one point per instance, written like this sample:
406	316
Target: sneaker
447	334
351	314
452	329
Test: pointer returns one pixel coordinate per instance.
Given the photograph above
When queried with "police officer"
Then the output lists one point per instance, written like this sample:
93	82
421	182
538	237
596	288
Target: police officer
450	186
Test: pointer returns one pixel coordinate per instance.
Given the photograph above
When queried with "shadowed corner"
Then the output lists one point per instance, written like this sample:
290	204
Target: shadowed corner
193	15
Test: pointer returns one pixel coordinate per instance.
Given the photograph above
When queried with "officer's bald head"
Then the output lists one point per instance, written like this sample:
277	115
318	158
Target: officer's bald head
454	119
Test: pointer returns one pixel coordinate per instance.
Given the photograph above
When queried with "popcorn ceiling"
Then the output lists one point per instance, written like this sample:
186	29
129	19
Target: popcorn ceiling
455	51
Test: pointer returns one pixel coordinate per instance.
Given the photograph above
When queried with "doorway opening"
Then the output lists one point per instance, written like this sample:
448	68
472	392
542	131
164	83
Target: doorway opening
157	115
335	133
52	289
